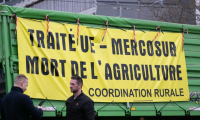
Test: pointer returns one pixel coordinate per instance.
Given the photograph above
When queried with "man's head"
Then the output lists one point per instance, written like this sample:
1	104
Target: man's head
76	84
141	118
21	81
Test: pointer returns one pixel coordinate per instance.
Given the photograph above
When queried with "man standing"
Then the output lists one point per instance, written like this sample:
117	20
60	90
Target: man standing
18	106
79	106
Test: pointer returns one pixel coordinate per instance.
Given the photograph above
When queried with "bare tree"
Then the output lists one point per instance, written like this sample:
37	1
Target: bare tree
177	11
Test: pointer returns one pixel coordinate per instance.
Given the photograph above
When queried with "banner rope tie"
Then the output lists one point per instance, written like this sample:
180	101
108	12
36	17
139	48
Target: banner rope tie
134	33
105	30
77	30
14	14
47	19
183	37
157	33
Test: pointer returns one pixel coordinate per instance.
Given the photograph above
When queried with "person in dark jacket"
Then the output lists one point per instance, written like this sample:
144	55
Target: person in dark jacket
18	106
79	106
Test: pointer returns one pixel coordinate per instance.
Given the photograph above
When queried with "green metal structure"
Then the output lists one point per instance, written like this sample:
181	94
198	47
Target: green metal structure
127	111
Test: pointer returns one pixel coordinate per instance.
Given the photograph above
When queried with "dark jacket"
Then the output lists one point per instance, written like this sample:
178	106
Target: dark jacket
18	106
81	108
